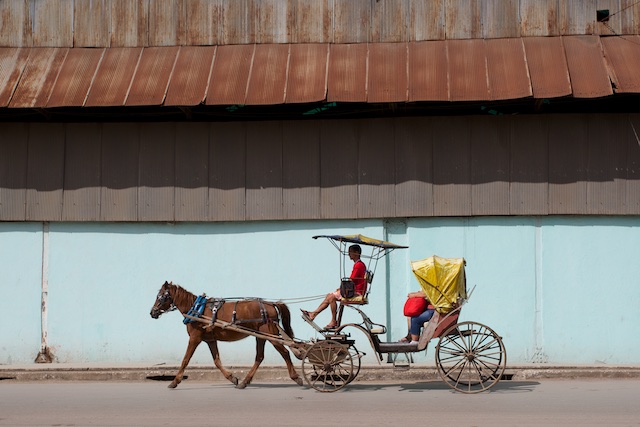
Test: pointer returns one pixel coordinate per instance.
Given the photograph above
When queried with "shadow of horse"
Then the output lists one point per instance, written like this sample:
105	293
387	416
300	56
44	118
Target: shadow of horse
255	315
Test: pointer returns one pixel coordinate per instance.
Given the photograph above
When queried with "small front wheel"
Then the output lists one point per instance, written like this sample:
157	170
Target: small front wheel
471	357
328	366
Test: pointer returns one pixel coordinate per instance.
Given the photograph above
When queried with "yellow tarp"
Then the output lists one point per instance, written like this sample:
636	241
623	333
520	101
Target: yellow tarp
442	280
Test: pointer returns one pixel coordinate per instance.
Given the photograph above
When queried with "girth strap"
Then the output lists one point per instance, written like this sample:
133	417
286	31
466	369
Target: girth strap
264	315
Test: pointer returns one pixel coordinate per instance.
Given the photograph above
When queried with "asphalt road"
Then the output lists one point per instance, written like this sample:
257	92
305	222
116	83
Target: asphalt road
200	403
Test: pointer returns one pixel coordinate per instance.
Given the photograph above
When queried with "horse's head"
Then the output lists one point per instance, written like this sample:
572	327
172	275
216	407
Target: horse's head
164	301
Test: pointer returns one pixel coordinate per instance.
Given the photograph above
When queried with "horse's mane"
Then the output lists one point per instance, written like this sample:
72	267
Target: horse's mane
182	297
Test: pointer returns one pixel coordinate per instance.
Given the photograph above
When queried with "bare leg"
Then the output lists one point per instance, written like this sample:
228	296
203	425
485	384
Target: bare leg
213	347
329	300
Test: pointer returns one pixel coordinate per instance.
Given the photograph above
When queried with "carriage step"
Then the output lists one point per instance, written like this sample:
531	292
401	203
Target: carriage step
401	361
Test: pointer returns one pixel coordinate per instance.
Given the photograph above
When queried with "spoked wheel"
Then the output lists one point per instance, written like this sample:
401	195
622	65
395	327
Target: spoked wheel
471	357
357	361
328	366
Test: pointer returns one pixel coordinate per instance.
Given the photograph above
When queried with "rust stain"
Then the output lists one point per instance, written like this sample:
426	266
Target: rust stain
307	74
111	84
188	85
12	63
38	77
347	75
231	68
74	80
150	82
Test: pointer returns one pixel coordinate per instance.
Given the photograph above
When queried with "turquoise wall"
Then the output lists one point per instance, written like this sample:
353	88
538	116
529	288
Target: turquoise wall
559	290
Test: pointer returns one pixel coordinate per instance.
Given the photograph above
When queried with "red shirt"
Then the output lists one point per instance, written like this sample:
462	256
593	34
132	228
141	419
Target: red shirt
357	276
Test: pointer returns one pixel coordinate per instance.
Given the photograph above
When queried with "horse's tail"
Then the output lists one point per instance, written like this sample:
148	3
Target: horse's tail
286	318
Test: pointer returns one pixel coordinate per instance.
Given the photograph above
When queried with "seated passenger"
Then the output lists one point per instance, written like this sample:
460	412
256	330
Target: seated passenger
415	323
358	279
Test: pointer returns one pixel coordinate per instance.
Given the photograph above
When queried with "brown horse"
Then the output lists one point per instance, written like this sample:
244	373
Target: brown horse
255	315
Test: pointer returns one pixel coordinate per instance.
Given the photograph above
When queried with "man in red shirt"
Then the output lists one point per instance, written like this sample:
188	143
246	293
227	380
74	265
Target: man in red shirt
357	277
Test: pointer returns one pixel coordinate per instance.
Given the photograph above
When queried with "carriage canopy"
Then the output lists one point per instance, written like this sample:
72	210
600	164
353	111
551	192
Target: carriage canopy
442	280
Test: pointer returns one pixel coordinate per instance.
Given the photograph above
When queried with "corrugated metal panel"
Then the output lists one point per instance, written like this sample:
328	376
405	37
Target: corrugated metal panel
307	76
352	21
15	30
268	78
38	78
426	20
467	70
73	82
188	85
301	169
387	75
157	172
52	23
264	170
452	167
203	19
500	18
463	19
414	166
192	172
589	77
231	68
376	161
507	69
529	167
428	71
167	23
567	164
227	168
91	23
45	172
489	165
547	67
129	23
338	173
120	166
633	165
314	21
150	82
13	171
630	19
623	56
538	18
274	21
12	63
389	21
82	183
577	17
607	152
347	75
111	84
239	26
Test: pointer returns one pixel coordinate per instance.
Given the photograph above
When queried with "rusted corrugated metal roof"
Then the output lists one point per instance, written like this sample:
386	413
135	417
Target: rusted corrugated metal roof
623	56
188	85
547	67
113	79
74	80
269	74
589	77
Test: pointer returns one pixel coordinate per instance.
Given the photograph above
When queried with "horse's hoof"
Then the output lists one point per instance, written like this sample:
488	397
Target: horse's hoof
172	385
241	385
298	381
234	380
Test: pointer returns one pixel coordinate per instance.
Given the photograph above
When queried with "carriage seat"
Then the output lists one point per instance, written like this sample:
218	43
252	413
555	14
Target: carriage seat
368	277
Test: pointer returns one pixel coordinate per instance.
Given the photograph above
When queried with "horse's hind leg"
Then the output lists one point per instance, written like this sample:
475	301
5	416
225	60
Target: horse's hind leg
259	358
213	347
293	374
194	341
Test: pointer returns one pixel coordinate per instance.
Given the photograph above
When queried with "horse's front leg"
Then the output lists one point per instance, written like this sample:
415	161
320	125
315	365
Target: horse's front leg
213	347
259	358
194	341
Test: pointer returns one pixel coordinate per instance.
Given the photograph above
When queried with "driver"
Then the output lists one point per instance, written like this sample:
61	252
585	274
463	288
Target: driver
357	277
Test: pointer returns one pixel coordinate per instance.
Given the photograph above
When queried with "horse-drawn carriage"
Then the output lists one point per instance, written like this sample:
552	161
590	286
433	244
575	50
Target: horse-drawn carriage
470	357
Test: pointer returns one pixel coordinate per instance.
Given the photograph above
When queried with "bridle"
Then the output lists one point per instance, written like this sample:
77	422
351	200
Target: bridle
162	299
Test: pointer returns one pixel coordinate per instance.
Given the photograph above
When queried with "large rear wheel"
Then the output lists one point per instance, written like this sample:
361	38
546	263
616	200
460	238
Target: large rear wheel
328	366
471	357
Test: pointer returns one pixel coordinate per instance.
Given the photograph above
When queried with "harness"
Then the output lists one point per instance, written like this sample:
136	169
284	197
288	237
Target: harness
201	302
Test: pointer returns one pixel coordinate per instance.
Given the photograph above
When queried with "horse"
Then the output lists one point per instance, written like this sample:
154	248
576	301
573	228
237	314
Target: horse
252	314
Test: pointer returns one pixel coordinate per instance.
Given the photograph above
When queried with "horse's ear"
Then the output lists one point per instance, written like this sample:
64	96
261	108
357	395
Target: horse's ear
165	283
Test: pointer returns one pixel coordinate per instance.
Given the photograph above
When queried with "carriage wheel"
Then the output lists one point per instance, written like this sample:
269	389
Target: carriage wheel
327	366
471	357
357	362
